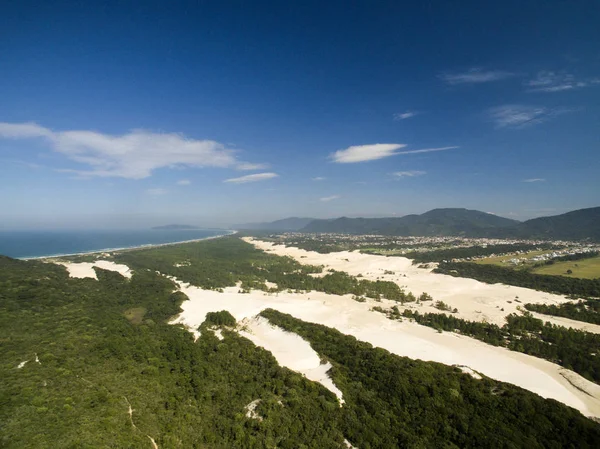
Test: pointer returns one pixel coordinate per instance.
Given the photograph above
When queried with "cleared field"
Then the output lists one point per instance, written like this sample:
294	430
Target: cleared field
501	260
585	268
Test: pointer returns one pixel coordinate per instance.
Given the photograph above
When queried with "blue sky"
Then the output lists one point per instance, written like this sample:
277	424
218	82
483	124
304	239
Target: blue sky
130	114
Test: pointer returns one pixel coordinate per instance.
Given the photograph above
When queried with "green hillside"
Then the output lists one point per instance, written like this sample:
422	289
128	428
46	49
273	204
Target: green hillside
436	222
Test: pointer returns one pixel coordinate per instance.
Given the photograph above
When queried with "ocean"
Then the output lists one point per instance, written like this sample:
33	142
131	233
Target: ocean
31	244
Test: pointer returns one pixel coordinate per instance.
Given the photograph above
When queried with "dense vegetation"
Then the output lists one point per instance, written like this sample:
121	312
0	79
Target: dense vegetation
215	264
97	359
588	311
394	401
493	274
567	347
222	318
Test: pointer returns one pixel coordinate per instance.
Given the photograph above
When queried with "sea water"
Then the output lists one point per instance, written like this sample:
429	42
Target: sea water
31	244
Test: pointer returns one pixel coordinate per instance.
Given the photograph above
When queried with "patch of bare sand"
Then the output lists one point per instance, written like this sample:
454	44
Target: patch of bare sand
402	338
86	269
475	301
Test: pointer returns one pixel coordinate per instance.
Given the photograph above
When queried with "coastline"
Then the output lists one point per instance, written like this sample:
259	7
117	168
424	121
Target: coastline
128	248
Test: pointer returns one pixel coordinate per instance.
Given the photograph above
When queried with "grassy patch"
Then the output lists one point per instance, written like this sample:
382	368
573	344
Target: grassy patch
583	269
135	315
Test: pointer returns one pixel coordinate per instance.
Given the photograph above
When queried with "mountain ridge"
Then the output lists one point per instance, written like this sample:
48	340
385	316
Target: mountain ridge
579	224
436	222
284	224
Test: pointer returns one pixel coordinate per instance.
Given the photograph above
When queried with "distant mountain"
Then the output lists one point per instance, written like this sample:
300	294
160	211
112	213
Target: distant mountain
579	224
174	227
286	224
576	225
437	222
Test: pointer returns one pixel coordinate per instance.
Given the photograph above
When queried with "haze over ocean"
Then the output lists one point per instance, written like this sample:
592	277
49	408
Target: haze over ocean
30	244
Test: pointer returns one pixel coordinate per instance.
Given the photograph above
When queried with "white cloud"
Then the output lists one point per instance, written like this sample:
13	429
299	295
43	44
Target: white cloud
319	178
409	174
405	115
534	180
156	191
252	178
547	81
184	182
329	198
134	155
23	130
520	116
248	166
427	150
475	75
361	153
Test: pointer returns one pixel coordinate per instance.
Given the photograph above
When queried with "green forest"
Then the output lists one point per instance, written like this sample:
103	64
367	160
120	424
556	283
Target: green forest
105	369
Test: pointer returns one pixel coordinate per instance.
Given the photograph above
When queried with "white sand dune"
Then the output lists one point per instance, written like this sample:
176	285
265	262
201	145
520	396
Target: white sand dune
475	301
402	338
86	269
290	350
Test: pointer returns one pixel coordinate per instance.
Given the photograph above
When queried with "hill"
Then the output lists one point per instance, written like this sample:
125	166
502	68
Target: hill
583	224
437	222
579	224
286	224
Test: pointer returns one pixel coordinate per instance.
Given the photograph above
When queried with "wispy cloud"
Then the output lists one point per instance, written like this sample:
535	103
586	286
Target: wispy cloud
405	115
534	180
329	198
134	155
319	178
156	191
521	116
547	81
184	182
409	174
427	150
362	153
248	166
474	75
252	178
